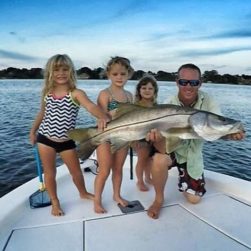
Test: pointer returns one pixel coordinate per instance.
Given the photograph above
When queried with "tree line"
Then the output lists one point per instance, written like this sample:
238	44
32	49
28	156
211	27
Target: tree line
99	73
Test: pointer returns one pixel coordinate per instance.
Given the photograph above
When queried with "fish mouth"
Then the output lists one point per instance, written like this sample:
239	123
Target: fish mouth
238	127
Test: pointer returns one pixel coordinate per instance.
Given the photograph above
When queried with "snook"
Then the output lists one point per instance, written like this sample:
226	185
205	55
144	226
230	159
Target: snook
134	122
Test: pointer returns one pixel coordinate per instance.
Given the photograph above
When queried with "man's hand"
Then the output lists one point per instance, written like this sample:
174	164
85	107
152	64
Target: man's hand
235	136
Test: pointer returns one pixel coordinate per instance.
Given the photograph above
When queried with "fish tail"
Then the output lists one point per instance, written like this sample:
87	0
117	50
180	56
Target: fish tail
86	149
86	139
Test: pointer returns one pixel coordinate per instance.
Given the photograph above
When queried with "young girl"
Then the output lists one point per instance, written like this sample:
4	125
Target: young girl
118	72
60	104
146	95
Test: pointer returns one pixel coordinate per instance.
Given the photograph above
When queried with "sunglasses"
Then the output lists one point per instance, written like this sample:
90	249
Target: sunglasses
185	82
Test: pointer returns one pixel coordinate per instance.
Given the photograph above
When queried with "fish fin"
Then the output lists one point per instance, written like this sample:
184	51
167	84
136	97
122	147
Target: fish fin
87	142
182	133
117	144
124	108
82	134
174	137
207	136
85	149
172	143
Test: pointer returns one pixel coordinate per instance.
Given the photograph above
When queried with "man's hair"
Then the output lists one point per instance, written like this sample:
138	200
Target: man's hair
189	66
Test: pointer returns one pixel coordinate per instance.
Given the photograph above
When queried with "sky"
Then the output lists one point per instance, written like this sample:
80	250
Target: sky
154	34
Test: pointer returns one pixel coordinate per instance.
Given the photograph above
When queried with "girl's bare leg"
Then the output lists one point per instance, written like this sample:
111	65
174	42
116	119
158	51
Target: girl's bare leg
148	177
48	157
104	160
117	175
71	160
142	166
56	208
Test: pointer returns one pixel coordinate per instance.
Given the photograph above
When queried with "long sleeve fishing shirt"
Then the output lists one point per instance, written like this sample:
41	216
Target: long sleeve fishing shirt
190	151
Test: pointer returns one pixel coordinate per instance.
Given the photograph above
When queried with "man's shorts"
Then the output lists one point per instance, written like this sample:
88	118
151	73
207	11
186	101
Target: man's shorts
57	146
186	182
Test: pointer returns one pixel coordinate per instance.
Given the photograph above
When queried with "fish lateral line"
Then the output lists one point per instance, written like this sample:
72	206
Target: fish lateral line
125	125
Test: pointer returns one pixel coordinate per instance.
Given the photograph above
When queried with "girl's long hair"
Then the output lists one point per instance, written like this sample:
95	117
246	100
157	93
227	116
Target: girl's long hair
55	61
144	81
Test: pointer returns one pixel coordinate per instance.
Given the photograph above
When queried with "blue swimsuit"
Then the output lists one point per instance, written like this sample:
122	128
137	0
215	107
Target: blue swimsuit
113	104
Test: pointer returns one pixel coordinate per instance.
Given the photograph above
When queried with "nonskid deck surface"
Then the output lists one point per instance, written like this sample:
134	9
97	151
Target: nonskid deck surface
180	227
218	222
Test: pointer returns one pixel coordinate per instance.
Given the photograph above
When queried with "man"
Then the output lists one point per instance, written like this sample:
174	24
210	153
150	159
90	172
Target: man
188	154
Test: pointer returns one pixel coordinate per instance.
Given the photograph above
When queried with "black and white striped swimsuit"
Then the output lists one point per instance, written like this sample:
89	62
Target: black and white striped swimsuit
60	116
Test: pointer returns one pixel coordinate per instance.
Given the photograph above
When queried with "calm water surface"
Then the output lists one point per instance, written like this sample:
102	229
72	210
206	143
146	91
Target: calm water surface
20	102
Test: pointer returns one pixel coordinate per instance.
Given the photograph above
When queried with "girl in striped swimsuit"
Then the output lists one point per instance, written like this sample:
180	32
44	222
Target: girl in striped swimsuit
118	72
60	104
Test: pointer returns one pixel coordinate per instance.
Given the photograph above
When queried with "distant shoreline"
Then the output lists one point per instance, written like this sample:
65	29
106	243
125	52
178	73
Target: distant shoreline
99	73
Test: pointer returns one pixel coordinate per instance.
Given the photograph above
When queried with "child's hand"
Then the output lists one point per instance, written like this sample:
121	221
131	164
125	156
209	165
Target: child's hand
33	138
154	136
102	123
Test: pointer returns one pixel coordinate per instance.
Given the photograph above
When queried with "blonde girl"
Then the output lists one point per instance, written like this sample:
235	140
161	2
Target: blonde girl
118	72
146	95
59	109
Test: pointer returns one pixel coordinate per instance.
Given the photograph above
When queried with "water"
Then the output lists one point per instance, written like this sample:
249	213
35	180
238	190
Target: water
20	102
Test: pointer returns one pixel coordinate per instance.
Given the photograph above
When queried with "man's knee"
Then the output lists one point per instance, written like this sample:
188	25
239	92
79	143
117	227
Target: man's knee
161	161
193	199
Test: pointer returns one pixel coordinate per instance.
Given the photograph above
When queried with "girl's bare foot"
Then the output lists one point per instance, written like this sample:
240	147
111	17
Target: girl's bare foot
121	201
154	209
98	208
149	181
87	195
142	187
56	208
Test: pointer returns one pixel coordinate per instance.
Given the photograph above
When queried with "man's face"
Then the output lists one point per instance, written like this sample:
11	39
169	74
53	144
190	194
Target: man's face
188	91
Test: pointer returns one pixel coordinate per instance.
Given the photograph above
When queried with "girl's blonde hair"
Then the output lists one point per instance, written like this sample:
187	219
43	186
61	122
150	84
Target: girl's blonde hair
55	61
122	61
144	81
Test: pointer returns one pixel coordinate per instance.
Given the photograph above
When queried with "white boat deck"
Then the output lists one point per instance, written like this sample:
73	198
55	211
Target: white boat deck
221	221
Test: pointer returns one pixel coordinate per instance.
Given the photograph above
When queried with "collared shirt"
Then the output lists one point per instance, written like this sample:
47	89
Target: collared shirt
190	151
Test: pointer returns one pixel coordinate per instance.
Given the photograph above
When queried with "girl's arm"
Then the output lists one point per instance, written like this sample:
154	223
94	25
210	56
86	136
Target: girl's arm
103	100
36	124
95	110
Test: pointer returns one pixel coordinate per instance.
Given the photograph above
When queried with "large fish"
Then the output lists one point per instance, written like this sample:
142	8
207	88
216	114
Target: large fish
133	122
